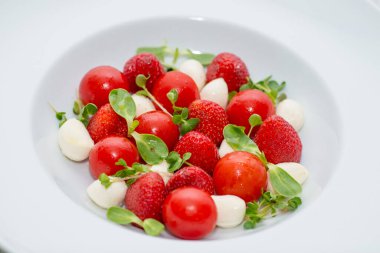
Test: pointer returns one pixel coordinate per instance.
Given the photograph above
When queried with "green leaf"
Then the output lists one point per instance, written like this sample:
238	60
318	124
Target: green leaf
86	113
174	160
189	125
282	182
249	224
281	97
134	125
121	162
172	95
138	167
122	216
186	156
231	95
141	81
61	117
151	148
204	58
255	120
123	104
77	107
105	180
142	93
238	140
177	119
294	203
175	56
185	113
157	51
153	227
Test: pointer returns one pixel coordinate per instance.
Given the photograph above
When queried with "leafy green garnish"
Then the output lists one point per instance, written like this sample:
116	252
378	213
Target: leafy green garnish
151	148
86	113
175	161
282	182
204	58
77	107
124	217
61	117
254	120
271	87
269	204
122	103
231	95
105	180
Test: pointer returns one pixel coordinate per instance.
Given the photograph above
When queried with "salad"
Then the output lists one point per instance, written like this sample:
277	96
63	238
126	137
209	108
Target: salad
186	141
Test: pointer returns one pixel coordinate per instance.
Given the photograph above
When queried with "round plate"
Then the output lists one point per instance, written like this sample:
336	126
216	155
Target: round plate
38	212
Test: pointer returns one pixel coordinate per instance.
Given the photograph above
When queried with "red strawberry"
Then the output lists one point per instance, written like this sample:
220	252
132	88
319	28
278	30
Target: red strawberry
279	141
213	119
231	68
146	64
105	123
204	152
191	176
145	196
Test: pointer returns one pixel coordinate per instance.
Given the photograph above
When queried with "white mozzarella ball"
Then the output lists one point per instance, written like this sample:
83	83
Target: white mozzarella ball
143	104
295	170
292	112
74	140
216	91
162	169
224	149
195	70
112	196
230	210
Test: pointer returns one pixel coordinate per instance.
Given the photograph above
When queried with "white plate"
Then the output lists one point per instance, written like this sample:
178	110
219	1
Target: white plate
329	57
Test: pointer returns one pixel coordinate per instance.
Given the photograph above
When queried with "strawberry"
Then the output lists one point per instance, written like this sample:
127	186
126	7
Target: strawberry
204	152
279	141
191	176
105	123
213	119
146	64
231	68
145	196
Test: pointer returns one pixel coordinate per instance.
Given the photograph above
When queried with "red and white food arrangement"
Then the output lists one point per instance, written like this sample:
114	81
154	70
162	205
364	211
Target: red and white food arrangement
187	148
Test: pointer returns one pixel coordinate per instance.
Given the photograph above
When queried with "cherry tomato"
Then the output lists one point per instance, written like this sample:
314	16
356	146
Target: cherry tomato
241	174
189	213
160	124
97	84
184	84
246	103
108	151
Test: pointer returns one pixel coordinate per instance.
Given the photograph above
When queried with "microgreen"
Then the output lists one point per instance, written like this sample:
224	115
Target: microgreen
282	182
122	103
254	120
77	107
130	174
269	204
151	148
124	217
60	116
105	180
86	113
165	51
231	95
175	161
181	114
271	87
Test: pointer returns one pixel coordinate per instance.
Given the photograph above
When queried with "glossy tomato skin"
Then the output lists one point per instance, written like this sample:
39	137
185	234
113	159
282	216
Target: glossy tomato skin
97	83
246	103
160	124
241	174
189	213
184	84
108	151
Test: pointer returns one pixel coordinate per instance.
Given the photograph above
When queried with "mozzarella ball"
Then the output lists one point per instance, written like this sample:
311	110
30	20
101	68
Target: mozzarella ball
162	169
143	104
295	170
74	140
230	210
292	112
195	70
112	196
216	91
224	149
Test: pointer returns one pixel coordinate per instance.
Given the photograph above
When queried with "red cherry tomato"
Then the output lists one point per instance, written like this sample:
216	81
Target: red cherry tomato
108	151
189	213
246	103
241	174
184	84
160	124
97	84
